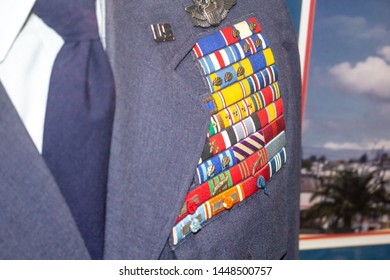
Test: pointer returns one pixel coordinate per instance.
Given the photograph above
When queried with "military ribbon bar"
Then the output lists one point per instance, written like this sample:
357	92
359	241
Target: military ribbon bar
227	199
235	174
244	108
237	91
227	56
234	155
226	37
240	70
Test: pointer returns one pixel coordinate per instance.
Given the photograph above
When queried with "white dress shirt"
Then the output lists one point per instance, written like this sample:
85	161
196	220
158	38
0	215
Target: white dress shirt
28	48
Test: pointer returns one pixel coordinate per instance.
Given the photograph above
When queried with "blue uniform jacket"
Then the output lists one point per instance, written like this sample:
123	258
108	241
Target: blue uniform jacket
160	130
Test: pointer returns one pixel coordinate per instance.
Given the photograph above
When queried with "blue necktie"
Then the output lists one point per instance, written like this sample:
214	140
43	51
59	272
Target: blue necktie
79	115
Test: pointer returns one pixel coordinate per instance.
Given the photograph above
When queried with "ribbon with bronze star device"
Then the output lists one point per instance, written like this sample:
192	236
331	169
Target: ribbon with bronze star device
246	138
238	91
240	131
250	124
237	173
236	133
232	54
226	37
240	70
259	117
233	155
227	199
244	108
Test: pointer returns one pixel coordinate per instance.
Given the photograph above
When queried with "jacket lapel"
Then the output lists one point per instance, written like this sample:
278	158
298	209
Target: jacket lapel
35	220
159	129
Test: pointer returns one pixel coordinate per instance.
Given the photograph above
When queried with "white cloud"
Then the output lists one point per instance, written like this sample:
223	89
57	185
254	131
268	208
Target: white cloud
385	52
364	146
371	77
342	146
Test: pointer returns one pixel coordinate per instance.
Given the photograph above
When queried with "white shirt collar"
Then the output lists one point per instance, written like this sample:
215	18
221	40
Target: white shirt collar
13	15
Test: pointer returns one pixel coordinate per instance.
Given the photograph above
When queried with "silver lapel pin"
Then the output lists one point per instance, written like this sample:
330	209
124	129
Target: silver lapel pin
162	32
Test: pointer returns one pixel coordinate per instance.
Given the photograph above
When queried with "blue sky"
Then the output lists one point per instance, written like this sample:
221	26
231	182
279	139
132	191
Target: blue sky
348	98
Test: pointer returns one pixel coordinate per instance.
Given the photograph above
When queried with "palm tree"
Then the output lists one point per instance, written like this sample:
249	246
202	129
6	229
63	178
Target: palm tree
347	197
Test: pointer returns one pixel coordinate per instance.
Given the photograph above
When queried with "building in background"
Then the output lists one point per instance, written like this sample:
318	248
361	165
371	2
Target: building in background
346	140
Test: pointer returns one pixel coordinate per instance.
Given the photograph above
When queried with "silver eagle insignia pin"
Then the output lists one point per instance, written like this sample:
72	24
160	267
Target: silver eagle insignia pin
206	13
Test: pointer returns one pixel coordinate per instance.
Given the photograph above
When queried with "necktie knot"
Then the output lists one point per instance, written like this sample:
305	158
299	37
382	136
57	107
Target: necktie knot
73	20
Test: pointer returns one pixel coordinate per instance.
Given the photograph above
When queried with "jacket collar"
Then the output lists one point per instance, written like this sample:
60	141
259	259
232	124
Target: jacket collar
42	225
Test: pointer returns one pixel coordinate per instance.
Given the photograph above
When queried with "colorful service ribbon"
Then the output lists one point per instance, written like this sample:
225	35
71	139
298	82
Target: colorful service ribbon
240	70
232	135
232	54
226	37
234	175
233	155
244	108
227	199
239	90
